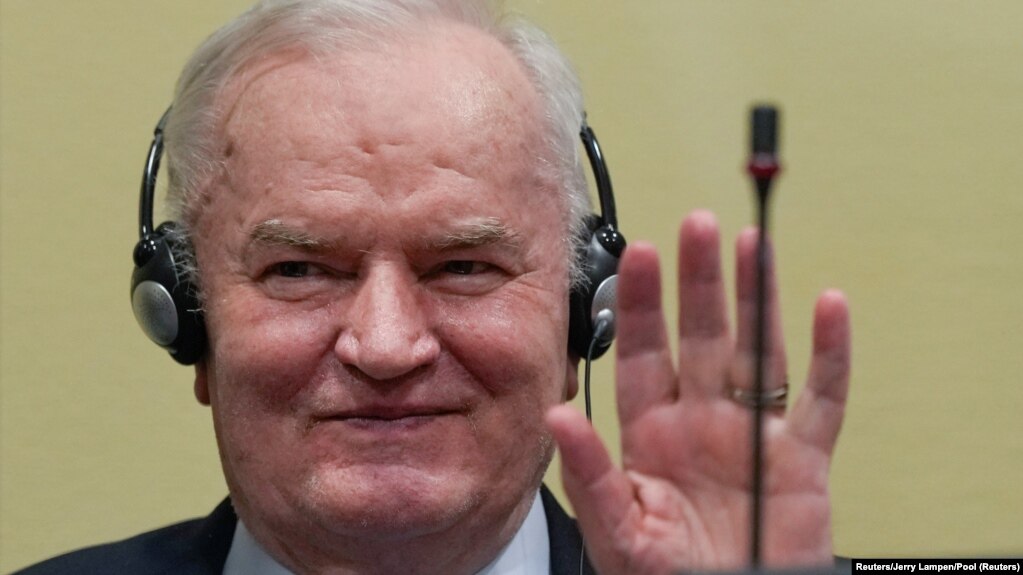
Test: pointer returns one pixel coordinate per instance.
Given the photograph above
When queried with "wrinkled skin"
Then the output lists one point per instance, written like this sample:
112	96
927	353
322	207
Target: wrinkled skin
385	273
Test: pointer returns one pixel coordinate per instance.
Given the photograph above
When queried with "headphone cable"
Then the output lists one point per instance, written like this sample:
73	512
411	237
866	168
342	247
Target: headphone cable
600	330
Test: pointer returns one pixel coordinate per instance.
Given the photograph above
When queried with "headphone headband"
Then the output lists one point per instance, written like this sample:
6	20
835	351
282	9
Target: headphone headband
148	190
601	176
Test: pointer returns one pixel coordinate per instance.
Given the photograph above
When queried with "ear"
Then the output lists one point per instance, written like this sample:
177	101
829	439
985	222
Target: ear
202	388
571	377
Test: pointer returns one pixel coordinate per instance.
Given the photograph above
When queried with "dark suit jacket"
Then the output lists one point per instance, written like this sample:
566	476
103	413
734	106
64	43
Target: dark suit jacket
200	546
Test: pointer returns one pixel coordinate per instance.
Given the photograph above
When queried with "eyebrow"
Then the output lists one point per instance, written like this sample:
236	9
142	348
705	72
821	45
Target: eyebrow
477	233
482	232
277	233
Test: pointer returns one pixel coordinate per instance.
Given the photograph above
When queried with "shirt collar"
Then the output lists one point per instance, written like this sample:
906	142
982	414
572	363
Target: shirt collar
528	553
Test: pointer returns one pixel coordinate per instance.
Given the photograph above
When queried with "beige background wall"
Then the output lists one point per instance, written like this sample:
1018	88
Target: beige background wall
903	142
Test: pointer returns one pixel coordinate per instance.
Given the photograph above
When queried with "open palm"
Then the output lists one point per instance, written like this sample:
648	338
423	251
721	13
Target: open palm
682	499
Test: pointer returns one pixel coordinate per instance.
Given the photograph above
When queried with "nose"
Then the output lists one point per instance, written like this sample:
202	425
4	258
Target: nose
388	333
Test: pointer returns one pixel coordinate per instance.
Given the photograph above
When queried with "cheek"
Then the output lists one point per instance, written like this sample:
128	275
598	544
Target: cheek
260	371
515	354
513	345
266	356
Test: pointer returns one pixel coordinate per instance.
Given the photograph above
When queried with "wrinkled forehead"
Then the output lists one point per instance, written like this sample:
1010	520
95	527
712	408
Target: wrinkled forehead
447	83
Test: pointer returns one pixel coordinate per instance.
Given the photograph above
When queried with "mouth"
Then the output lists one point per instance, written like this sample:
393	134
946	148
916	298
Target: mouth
402	423
383	419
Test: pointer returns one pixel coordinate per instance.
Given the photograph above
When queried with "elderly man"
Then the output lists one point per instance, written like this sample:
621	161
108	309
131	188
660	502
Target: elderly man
383	197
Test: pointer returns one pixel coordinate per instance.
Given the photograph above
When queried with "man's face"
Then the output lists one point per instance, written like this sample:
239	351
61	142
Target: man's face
385	271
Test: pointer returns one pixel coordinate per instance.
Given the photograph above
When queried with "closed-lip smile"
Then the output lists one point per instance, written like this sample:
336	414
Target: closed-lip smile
380	417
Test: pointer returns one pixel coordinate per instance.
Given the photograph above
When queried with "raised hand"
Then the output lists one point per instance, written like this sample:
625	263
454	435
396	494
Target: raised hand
682	499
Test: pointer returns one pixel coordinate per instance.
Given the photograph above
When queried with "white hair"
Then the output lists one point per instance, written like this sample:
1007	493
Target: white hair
325	27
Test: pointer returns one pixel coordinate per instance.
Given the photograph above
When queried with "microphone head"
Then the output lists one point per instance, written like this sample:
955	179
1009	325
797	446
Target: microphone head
764	129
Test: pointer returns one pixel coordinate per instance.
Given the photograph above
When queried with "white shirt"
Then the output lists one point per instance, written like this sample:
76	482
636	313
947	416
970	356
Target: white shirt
528	553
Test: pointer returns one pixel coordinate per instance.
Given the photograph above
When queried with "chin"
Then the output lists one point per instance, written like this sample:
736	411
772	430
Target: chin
389	502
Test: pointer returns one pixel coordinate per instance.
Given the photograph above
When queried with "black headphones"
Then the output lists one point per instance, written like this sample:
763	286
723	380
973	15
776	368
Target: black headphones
592	302
166	303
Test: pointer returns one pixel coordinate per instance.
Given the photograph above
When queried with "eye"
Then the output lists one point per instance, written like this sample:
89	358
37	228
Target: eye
468	277
465	267
291	269
300	280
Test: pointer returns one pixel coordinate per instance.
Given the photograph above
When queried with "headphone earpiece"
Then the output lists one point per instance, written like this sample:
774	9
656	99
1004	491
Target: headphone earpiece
165	302
593	300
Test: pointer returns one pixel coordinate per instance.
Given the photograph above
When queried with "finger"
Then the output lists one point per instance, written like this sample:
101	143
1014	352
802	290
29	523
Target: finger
601	495
644	371
817	415
704	340
746	289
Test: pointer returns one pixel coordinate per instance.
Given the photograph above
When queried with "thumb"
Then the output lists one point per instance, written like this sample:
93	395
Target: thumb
600	493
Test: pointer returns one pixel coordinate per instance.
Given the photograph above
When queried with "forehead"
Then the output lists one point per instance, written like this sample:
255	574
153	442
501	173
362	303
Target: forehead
437	128
447	88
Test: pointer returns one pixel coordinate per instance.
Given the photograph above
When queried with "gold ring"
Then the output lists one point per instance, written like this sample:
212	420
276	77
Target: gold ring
771	399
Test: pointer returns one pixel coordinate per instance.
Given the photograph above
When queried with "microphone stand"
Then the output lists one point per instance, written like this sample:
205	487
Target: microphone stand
763	167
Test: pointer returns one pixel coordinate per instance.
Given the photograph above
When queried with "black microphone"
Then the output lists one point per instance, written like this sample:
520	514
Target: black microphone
765	130
763	164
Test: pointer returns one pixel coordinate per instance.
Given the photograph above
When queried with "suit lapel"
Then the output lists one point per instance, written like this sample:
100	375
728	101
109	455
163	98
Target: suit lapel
566	541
